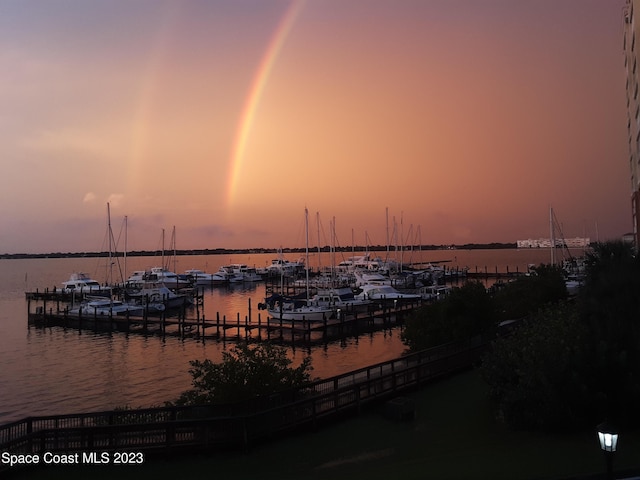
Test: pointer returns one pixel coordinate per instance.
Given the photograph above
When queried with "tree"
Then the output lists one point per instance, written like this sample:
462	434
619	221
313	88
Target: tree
466	312
527	294
536	376
244	372
573	364
610	307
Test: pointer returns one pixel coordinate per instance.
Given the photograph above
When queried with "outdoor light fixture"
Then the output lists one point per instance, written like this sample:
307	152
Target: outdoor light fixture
608	436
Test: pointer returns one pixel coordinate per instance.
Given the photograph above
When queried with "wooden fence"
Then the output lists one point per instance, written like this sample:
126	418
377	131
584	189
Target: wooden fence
236	425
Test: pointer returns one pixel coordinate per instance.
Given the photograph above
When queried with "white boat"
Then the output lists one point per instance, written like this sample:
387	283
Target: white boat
282	267
371	278
203	279
170	279
230	275
248	274
434	292
154	292
384	292
82	283
294	309
342	298
105	306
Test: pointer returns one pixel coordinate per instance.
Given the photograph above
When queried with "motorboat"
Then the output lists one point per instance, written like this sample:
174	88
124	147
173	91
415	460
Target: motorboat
100	306
371	278
340	298
82	283
248	274
170	279
282	267
154	292
203	279
296	309
434	292
230	275
384	292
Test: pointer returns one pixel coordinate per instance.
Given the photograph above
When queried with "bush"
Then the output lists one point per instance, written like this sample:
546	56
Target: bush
536	375
466	312
244	372
529	293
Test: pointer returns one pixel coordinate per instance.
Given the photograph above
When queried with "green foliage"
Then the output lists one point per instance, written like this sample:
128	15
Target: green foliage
572	365
535	376
467	311
610	306
527	294
244	372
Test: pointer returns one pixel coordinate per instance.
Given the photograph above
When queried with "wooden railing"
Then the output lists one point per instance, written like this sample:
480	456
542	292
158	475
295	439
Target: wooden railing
238	424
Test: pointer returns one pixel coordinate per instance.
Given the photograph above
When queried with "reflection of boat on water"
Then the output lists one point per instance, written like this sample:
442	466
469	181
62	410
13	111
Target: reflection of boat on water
105	306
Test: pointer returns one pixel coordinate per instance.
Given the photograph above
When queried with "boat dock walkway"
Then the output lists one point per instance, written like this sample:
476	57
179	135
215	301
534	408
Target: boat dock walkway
347	324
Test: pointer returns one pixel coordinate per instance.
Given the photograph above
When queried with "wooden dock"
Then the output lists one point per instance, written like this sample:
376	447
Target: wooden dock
350	323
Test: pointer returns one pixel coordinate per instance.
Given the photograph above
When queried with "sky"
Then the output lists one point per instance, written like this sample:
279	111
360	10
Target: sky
390	121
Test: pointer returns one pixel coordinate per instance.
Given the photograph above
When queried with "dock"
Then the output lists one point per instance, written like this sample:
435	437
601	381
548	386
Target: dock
47	312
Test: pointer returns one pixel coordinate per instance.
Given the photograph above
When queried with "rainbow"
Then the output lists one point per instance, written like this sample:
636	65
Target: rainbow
255	92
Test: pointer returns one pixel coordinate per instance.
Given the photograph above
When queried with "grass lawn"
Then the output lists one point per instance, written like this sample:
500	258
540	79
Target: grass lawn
453	436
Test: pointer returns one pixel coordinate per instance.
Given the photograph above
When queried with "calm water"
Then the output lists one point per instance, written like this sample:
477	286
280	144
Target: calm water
55	371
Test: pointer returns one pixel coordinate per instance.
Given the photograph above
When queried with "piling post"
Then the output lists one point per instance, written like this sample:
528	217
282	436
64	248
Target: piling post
217	324
224	327
293	324
324	327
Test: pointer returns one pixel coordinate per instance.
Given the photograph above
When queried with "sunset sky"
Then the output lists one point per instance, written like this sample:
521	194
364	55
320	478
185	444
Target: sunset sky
465	120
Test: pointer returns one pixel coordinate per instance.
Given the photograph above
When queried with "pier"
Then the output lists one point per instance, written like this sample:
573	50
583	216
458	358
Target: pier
52	311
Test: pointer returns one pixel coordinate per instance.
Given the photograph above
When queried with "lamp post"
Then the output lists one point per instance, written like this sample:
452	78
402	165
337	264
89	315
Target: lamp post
608	436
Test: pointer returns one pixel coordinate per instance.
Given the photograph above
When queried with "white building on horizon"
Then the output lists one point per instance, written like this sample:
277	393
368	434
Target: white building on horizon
577	242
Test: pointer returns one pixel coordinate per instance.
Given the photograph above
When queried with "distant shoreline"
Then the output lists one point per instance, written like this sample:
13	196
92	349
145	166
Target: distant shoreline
227	251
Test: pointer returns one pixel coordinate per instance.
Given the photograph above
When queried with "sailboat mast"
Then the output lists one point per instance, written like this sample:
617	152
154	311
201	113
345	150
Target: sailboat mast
553	237
126	231
110	268
306	228
318	231
162	258
175	255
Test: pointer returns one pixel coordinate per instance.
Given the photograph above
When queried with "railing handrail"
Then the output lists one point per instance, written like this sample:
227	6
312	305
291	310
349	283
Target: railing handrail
314	391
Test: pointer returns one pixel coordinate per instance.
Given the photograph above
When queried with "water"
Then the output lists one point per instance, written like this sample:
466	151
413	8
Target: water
47	371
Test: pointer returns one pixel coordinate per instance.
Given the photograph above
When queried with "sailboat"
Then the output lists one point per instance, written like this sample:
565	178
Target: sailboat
294	308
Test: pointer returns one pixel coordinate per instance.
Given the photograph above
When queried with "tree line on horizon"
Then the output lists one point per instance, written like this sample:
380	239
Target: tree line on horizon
230	251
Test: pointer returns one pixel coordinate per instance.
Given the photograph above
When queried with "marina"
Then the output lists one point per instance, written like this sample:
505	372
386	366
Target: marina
49	309
50	370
